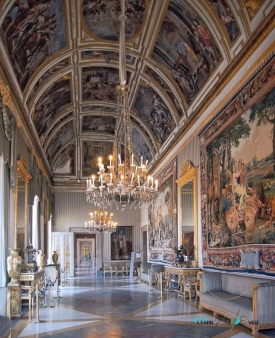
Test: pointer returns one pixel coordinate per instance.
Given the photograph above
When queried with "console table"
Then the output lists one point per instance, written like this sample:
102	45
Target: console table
28	281
31	278
179	276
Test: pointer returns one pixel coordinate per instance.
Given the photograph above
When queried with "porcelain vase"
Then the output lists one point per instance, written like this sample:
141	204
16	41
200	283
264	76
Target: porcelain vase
41	259
55	257
13	265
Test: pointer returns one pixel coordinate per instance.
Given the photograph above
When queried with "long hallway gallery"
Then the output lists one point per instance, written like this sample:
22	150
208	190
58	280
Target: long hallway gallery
120	306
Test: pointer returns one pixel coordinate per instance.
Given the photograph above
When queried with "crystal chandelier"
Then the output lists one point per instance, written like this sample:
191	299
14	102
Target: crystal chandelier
100	221
123	184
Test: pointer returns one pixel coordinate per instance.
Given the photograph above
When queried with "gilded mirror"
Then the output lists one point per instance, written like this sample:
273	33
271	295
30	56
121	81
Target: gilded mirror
188	210
21	212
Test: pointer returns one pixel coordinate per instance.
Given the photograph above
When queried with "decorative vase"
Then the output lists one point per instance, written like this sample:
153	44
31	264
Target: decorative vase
41	259
55	257
13	265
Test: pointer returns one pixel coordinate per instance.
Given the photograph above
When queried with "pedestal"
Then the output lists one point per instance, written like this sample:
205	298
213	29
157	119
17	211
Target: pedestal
14	301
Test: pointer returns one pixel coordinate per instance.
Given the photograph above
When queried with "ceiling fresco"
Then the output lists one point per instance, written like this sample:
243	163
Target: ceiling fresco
65	162
99	124
63	57
51	104
154	113
186	47
140	146
46	75
102	17
32	32
100	83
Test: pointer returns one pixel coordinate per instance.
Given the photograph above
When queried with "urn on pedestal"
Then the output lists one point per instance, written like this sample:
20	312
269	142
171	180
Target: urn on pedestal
41	259
13	266
55	257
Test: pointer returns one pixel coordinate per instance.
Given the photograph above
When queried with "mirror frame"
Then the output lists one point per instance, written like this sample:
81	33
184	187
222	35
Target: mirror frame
189	173
21	170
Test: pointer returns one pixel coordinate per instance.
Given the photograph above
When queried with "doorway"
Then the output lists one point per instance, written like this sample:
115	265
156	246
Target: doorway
85	258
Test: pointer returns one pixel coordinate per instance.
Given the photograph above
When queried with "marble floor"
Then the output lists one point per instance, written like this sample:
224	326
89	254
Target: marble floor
111	307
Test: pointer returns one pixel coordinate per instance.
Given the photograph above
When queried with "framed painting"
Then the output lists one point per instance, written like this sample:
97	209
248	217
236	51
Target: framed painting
238	179
121	243
162	225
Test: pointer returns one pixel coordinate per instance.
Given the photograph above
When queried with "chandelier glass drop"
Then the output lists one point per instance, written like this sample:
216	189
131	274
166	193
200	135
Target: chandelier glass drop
100	221
123	183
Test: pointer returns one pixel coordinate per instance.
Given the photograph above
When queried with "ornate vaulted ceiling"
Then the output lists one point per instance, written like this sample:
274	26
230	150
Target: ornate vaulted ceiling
62	61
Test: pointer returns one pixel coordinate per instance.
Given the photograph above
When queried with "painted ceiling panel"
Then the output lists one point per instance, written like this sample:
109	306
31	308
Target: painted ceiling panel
102	17
42	79
223	10
99	124
65	161
99	83
32	32
168	90
51	104
91	150
154	113
140	146
186	47
60	137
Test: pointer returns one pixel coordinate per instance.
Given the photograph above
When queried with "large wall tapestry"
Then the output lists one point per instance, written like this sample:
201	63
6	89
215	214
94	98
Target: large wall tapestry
31	37
187	48
238	179
162	225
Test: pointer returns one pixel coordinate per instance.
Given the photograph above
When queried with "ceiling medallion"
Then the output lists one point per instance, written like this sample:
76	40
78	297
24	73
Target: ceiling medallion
124	184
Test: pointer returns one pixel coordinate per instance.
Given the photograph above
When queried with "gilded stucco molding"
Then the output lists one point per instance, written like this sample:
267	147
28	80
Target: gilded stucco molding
19	122
22	169
242	13
39	162
253	6
5	92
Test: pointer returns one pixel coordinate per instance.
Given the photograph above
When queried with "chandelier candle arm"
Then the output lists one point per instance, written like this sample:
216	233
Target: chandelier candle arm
123	183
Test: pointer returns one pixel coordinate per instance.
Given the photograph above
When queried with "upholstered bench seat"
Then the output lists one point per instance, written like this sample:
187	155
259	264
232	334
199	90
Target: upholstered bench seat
249	298
241	307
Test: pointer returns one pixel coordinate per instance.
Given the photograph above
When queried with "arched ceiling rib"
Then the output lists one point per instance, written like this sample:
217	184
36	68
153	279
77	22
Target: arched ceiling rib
64	59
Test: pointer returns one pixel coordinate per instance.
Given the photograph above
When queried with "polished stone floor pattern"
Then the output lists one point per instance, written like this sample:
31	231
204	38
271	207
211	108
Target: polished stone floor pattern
96	307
